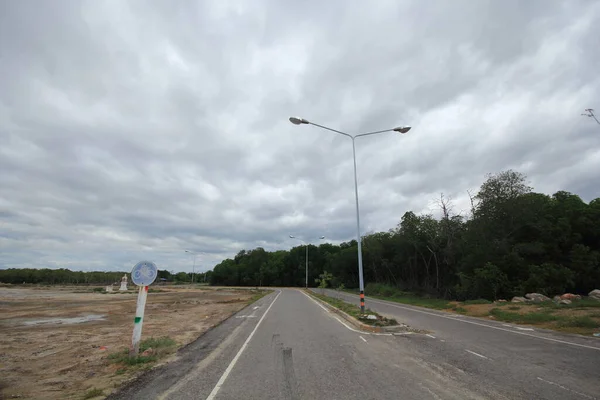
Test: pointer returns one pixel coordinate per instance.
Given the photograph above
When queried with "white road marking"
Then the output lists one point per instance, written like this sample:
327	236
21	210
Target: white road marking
477	354
316	302
567	389
487	326
217	387
442	340
435	396
363	339
524	329
246	316
431	336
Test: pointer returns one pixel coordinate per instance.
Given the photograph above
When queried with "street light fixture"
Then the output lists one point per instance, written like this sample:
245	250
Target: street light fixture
306	244
400	129
589	112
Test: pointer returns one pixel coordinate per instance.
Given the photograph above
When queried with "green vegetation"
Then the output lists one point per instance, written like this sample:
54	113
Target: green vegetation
160	347
477	301
386	292
93	392
532	318
579	322
354	311
511	242
257	295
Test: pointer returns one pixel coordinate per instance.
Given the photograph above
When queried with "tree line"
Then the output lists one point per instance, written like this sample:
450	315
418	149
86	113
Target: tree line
512	241
64	276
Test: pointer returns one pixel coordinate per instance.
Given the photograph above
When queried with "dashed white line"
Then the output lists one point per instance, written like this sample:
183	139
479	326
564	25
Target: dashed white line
524	329
477	354
363	339
567	389
217	387
431	336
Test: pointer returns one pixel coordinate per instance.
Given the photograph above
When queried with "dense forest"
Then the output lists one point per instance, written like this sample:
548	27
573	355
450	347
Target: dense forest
67	277
512	241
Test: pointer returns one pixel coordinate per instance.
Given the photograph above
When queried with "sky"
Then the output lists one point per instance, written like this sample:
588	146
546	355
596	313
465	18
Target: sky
134	130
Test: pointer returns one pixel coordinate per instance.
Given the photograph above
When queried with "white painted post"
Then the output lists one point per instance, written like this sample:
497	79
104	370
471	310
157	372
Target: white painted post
138	321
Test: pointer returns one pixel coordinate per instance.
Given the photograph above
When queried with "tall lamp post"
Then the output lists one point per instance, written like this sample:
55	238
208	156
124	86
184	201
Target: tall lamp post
306	244
401	129
194	264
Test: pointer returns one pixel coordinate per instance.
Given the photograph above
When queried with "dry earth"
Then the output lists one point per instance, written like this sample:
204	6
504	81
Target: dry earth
55	342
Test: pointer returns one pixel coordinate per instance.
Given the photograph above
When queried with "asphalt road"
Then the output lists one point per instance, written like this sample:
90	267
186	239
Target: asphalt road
287	346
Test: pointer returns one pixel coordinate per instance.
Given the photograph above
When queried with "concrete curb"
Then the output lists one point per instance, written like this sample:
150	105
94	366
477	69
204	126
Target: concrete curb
356	323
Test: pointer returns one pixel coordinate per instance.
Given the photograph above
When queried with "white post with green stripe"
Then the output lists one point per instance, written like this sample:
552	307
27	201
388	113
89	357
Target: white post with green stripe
142	274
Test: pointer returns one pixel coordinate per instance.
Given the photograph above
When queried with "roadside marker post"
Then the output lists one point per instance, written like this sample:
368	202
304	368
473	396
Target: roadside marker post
143	275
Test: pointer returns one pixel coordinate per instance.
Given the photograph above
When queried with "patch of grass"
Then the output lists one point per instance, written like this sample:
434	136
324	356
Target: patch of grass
98	289
459	309
595	315
477	301
257	295
514	308
354	311
93	392
160	347
530	318
579	322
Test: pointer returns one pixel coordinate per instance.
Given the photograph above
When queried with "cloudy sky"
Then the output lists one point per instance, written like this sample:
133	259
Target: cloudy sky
138	129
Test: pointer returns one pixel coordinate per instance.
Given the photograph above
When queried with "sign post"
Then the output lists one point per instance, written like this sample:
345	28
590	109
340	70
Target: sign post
142	274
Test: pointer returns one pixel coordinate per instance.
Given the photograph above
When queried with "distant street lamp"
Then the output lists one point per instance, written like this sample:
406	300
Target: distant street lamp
306	244
401	129
194	264
589	112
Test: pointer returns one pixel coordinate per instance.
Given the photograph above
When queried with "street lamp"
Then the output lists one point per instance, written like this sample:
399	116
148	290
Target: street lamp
400	129
194	265
306	244
589	112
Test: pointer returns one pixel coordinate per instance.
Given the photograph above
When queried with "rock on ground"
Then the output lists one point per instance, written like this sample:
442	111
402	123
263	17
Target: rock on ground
518	299
570	296
594	294
537	297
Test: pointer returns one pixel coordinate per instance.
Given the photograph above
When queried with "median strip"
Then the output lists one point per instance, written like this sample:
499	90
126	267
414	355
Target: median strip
369	322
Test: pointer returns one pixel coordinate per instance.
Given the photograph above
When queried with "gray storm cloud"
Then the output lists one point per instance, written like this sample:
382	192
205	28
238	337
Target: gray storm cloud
134	130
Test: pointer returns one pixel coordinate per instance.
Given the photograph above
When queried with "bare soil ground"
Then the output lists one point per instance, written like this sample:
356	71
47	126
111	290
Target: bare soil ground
55	342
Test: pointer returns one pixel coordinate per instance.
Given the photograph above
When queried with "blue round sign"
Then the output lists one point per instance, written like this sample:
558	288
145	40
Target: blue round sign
144	273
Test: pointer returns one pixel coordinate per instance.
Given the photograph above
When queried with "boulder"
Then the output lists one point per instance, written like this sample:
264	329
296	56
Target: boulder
537	297
564	301
594	294
517	299
570	296
556	299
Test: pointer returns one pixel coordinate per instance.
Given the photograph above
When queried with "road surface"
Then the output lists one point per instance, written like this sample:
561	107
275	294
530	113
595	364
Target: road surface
287	346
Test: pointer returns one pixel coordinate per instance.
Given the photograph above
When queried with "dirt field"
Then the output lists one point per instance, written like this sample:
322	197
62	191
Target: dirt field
55	342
